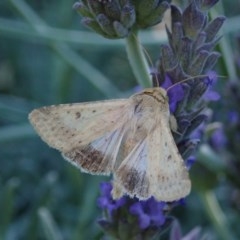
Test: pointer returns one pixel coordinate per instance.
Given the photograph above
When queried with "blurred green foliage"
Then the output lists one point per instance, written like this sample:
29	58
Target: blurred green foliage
44	61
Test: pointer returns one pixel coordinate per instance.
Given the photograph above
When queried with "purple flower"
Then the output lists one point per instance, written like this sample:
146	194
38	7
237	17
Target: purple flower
233	117
149	213
130	218
218	139
198	132
175	94
106	202
190	161
211	95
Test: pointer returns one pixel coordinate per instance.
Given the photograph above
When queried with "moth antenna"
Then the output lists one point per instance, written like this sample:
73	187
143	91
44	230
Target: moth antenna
148	59
190	78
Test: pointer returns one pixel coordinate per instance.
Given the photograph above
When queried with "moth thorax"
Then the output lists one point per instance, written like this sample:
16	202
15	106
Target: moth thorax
151	103
144	117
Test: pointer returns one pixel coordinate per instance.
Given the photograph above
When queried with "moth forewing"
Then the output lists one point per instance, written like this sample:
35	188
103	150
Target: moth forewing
67	126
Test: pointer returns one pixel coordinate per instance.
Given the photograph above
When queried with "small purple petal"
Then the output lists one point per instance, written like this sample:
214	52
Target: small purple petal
155	211
218	139
167	83
149	212
158	220
121	201
175	94
154	206
210	81
105	188
198	132
144	221
190	161
212	75
211	96
136	208
102	202
106	202
233	117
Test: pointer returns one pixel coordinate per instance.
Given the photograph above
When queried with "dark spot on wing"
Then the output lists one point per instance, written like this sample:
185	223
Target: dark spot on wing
89	159
45	110
138	107
135	182
77	115
132	179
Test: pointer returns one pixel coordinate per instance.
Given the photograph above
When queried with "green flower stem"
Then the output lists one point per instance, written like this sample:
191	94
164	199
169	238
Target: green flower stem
216	215
50	228
138	61
8	195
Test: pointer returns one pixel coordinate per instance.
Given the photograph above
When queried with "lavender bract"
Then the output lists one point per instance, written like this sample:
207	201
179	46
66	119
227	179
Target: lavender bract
118	18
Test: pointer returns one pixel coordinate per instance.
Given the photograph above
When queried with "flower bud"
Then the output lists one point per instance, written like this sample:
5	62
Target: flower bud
117	18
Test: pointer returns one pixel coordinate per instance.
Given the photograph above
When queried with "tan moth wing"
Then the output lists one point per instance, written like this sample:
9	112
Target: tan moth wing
171	178
153	167
87	134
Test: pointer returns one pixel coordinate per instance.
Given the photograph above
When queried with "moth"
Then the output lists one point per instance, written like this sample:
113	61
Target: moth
129	138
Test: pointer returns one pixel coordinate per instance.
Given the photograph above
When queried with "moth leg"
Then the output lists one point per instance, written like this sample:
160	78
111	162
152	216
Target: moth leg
173	125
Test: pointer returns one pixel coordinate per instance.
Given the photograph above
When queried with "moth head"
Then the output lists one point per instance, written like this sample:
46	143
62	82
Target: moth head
151	100
157	94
